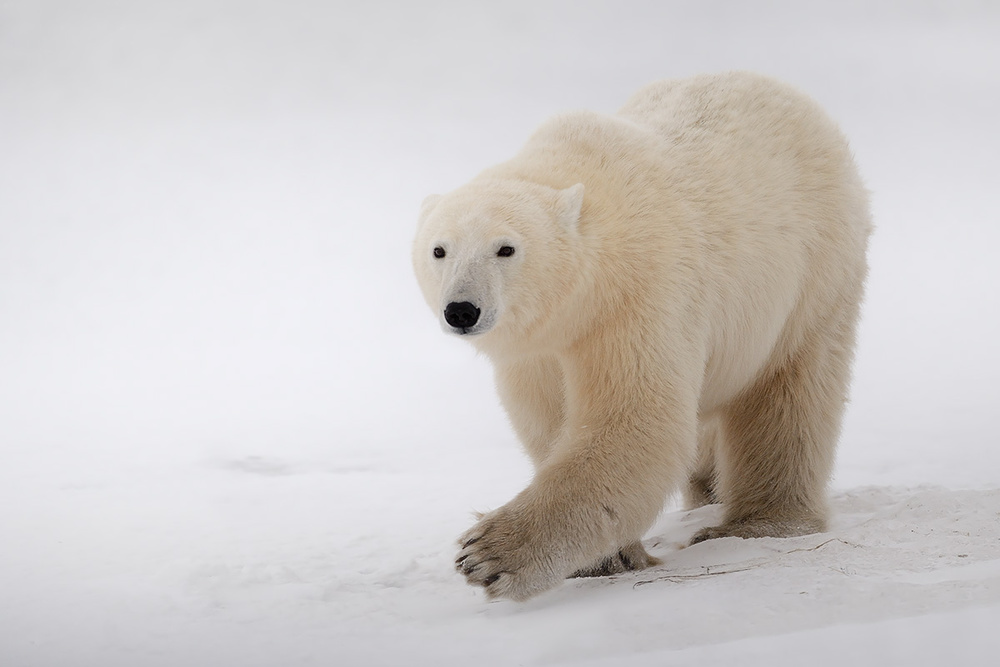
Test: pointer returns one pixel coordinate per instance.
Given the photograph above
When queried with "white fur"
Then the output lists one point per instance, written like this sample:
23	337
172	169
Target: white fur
680	305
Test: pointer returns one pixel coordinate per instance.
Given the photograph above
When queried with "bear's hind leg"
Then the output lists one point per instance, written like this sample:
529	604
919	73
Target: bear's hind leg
779	440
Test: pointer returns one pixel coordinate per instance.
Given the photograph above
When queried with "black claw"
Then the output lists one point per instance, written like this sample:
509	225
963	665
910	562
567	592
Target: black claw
490	580
470	542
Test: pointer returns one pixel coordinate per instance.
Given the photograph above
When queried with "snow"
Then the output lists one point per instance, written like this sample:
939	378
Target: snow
231	434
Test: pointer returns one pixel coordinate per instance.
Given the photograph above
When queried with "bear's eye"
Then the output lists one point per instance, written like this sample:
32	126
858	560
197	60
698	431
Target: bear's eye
505	251
439	252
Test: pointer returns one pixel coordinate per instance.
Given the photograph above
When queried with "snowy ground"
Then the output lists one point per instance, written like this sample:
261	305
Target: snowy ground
230	434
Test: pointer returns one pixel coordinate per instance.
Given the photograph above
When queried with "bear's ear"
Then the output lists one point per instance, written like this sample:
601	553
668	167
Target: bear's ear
429	203
570	202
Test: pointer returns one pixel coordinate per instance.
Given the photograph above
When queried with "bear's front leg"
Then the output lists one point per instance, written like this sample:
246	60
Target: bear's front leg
628	441
581	508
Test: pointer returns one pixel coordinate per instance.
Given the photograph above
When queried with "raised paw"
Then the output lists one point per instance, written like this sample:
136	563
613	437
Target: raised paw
507	555
627	559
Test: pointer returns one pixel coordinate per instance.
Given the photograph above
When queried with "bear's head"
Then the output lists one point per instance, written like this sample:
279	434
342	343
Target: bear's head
496	258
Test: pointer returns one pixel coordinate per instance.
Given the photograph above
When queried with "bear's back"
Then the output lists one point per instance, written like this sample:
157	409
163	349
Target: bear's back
729	107
699	136
748	131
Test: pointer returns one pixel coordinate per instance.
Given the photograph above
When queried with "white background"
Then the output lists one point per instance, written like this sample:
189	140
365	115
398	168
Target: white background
232	433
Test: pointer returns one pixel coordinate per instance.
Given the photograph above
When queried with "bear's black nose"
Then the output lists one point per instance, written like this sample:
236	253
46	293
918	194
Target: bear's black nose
461	315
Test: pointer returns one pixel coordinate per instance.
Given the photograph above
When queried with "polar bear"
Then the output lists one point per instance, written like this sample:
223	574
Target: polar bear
669	298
